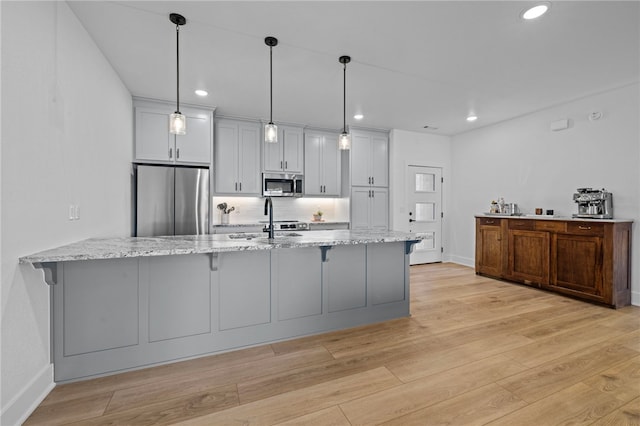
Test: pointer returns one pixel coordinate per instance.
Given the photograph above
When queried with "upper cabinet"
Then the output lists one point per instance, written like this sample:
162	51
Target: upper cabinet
286	156
369	159
321	164
154	143
237	157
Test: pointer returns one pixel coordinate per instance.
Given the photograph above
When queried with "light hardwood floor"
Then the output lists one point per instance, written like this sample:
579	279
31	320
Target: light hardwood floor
475	351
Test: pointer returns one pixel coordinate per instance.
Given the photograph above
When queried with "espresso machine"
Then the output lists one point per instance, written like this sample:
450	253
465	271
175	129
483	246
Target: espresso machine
594	203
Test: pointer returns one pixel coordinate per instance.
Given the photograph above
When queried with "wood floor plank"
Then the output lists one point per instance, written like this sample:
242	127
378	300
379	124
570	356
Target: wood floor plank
621	381
290	405
575	405
169	411
558	345
536	383
331	416
627	415
174	387
421	393
78	409
441	360
477	407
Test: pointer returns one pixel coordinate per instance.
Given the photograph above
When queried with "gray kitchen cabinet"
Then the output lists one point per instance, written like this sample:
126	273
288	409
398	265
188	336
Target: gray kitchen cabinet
154	143
286	156
321	164
298	273
369	158
369	208
237	157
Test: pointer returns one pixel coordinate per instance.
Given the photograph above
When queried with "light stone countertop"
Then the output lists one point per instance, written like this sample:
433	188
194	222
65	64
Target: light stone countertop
113	248
547	217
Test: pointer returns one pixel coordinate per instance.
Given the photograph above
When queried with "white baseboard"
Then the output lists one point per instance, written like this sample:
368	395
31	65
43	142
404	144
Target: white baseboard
26	401
635	298
466	261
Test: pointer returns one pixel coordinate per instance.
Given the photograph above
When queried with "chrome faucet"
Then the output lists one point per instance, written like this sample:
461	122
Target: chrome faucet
268	210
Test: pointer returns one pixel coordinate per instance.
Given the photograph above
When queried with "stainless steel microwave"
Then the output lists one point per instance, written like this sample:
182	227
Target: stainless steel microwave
282	185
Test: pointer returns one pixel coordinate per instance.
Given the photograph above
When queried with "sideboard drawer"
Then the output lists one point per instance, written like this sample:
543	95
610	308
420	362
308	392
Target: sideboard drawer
586	228
551	225
490	221
526	224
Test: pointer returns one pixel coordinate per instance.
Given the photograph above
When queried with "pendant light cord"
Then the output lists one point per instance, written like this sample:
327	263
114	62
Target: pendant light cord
177	68
344	99
270	84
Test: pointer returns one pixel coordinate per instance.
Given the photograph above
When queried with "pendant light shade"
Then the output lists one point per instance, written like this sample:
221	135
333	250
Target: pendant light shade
177	121
344	140
271	130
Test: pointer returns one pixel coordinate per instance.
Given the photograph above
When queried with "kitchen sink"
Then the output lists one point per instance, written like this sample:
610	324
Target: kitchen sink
252	236
243	236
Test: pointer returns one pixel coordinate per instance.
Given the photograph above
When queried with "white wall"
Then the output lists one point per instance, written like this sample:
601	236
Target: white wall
527	163
67	131
417	149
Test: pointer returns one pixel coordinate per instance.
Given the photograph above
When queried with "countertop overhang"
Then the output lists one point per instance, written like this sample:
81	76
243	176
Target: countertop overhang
115	248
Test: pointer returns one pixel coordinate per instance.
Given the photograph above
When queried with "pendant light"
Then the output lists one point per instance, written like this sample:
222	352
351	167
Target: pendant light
177	121
344	140
271	130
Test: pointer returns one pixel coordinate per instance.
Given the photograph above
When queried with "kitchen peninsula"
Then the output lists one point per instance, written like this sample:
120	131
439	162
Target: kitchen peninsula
125	303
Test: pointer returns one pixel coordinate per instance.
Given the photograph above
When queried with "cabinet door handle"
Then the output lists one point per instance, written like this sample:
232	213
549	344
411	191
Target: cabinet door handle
177	152
281	164
170	152
236	186
373	180
369	180
286	165
373	193
240	186
586	228
489	222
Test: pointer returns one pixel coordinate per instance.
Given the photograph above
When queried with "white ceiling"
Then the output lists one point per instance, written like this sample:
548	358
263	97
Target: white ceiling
414	63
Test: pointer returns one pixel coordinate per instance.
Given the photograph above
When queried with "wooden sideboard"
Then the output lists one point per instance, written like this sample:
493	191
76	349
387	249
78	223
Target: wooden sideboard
589	260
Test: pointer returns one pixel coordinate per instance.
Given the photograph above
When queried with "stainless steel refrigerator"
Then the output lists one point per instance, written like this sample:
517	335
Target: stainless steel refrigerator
171	200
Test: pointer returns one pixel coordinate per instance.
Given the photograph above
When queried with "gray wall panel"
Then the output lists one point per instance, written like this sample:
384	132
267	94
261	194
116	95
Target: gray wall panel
179	296
100	305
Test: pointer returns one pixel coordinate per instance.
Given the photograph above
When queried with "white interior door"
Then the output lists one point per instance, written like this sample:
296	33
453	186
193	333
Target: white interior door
424	198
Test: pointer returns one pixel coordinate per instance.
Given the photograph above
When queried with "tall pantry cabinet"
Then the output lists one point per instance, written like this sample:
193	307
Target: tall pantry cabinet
369	160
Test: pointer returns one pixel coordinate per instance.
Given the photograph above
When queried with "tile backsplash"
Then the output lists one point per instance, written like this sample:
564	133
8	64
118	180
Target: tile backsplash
251	209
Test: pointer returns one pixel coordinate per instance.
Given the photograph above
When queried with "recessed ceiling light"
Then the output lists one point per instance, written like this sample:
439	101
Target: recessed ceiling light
358	116
472	118
535	11
201	92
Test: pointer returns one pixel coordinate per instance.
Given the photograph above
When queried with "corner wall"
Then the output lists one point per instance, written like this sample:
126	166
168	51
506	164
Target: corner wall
67	131
525	162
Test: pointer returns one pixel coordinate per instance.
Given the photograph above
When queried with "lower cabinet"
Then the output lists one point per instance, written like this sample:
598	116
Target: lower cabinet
578	264
528	256
585	259
489	246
